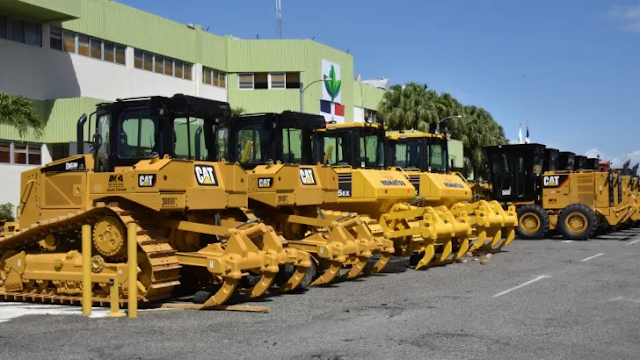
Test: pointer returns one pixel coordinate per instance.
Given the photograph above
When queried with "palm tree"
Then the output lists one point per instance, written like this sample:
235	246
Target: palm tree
18	112
479	129
408	107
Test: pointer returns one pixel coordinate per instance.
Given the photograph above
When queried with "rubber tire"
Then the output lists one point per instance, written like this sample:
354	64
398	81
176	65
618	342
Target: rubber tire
587	212
544	219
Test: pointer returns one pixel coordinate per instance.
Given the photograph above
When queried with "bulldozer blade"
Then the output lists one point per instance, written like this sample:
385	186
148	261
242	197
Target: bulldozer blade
463	247
357	268
295	280
511	235
429	253
330	273
380	264
447	248
480	240
266	280
222	295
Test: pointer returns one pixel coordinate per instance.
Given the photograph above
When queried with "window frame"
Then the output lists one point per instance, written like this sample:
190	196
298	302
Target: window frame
23	24
252	81
270	81
104	44
29	146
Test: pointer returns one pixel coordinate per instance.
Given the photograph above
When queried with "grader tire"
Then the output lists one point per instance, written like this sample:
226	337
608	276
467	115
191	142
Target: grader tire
577	222
533	222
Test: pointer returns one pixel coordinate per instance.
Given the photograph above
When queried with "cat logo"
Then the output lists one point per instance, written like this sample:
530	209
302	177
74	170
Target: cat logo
147	180
205	175
264	182
306	176
551	180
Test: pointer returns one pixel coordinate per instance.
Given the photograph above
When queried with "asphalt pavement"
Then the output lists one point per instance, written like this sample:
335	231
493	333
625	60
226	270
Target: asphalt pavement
546	299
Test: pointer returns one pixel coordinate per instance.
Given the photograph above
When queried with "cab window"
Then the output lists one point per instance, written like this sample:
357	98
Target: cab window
138	135
188	139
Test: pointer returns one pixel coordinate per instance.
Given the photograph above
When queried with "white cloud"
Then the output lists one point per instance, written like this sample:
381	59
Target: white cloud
594	152
634	156
628	15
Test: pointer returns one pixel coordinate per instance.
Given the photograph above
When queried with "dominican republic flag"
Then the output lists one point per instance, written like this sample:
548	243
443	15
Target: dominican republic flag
332	111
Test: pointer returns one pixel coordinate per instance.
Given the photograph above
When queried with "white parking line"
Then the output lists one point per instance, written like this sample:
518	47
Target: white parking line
633	242
567	241
522	285
592	257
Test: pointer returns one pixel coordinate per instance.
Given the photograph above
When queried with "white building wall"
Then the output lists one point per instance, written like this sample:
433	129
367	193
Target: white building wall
10	182
358	114
43	74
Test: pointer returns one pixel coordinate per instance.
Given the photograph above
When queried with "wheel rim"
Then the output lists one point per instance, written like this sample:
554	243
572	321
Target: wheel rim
576	223
530	222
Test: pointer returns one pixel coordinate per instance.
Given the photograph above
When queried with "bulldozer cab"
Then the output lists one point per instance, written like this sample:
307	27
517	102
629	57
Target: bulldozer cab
551	159
592	163
514	171
130	130
287	137
421	151
580	163
566	160
359	145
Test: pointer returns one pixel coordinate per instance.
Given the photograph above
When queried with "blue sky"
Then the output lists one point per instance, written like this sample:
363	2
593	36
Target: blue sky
569	67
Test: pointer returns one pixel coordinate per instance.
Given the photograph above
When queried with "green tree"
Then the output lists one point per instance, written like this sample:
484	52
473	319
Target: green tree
414	106
18	112
236	111
409	107
478	130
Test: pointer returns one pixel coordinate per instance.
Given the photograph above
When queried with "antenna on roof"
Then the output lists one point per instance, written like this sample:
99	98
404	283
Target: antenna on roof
279	17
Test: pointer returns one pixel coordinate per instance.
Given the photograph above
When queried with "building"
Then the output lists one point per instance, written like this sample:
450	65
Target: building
69	55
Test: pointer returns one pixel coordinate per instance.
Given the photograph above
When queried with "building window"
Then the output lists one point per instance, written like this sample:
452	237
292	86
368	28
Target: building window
263	80
245	81
86	45
16	153
162	64
21	31
277	81
370	115
5	153
214	77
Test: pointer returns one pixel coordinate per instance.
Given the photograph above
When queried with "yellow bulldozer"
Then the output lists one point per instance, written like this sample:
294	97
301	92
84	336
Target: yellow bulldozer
143	169
427	234
423	158
287	188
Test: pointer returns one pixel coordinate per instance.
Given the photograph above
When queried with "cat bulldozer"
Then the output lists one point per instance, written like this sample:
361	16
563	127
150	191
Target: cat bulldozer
423	158
142	169
287	188
427	235
553	193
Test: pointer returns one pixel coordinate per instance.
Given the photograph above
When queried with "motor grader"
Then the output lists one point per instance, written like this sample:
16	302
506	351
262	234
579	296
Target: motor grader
423	158
287	187
143	169
553	194
428	235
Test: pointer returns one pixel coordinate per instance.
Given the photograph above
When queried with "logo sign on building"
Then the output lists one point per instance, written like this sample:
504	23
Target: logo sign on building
331	106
